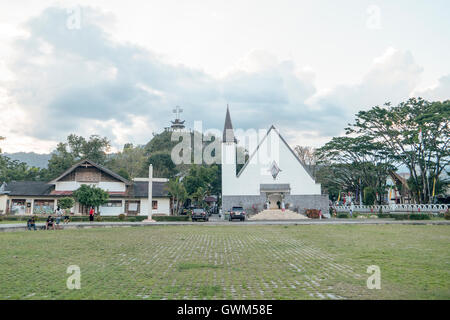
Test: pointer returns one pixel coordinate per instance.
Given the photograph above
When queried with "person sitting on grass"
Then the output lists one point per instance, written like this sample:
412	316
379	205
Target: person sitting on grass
50	223
31	223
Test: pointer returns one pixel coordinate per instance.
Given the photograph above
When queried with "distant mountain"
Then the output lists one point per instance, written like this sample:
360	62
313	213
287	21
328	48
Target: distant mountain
30	158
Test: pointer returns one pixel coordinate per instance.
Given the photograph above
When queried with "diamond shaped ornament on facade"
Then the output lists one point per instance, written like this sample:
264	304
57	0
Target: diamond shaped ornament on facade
274	170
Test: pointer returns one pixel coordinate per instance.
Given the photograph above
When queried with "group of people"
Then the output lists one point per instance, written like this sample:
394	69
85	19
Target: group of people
52	223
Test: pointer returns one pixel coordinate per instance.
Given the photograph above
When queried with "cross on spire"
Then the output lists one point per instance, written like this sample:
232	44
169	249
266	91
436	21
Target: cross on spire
177	111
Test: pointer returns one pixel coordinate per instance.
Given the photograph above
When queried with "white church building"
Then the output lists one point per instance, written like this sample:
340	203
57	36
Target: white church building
272	177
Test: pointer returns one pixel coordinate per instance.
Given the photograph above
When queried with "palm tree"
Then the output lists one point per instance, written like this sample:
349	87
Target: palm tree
199	196
177	192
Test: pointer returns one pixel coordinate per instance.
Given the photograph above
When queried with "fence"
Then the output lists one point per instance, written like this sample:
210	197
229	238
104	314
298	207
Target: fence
394	208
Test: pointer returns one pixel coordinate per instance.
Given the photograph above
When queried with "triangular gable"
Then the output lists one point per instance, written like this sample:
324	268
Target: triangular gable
287	145
99	167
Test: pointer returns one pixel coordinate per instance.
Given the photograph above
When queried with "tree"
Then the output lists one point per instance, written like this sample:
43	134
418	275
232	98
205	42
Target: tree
177	192
308	157
163	166
75	149
355	162
369	196
66	203
414	133
91	196
199	196
201	176
14	170
160	143
93	149
129	163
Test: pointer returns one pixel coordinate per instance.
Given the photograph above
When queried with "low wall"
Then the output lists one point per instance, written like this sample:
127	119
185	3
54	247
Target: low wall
300	202
303	202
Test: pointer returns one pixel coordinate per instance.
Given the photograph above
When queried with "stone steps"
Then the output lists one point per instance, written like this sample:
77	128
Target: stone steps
276	214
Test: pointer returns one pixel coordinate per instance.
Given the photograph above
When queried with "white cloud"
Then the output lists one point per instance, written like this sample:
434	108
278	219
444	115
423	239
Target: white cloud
440	91
82	81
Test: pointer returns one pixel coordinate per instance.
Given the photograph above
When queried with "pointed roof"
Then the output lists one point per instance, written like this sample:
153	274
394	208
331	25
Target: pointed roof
228	133
87	161
287	145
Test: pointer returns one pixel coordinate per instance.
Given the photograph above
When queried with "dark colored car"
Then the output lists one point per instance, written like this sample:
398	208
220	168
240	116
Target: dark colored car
237	213
199	214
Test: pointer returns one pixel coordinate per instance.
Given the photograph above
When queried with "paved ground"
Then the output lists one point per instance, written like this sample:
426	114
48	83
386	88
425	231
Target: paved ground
218	222
228	261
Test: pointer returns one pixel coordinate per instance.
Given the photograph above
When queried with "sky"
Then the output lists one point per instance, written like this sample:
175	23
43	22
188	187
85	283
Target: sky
118	68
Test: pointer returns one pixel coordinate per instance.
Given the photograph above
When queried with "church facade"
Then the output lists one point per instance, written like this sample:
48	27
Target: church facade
273	177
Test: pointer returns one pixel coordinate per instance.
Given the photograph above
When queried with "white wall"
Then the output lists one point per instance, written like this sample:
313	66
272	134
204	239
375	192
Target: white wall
112	211
257	171
107	186
163	206
3	199
228	168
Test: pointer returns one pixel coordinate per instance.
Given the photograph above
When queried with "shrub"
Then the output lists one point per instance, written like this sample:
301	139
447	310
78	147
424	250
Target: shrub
447	215
400	216
121	217
343	215
312	213
170	218
383	215
419	216
98	218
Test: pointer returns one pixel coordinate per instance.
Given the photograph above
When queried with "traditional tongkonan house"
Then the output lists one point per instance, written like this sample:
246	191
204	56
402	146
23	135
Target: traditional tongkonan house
128	197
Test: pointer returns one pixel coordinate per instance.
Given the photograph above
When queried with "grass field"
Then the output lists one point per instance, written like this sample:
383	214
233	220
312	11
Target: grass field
228	262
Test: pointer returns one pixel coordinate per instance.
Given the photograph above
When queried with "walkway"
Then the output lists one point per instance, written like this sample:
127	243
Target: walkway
80	225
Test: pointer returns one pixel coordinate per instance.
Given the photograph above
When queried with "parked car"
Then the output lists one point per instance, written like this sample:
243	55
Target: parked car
237	213
199	214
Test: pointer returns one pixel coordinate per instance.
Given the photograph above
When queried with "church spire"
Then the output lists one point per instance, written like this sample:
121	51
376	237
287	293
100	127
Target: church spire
228	134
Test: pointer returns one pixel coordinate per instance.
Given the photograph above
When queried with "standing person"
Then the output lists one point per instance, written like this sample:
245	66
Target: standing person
66	217
58	216
91	214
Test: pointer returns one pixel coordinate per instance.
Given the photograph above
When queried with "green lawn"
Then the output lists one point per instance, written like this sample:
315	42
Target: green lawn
228	262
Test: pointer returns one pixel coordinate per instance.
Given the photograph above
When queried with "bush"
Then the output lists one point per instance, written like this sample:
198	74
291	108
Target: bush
312	213
343	215
98	218
447	215
170	218
384	215
400	216
419	216
411	216
121	217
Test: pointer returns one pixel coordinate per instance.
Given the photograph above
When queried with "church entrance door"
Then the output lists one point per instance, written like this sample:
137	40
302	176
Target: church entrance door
275	201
